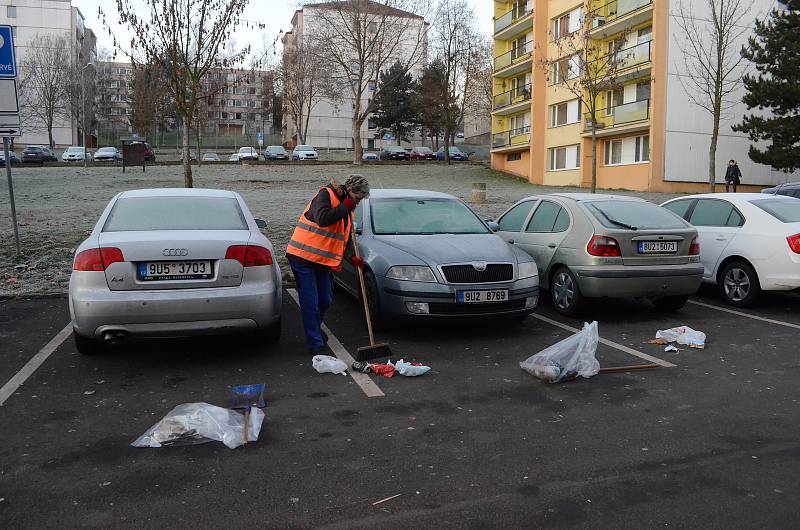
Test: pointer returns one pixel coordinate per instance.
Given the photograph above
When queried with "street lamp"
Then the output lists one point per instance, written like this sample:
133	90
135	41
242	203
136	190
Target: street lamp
83	111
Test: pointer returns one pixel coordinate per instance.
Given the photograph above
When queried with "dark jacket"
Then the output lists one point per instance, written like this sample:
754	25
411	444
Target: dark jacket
733	174
323	214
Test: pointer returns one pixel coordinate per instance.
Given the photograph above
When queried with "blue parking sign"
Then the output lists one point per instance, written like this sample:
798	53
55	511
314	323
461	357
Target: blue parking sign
8	61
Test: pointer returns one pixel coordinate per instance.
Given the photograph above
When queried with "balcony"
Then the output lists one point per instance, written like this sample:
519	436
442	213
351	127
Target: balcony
515	61
629	62
513	22
511	101
616	15
513	138
627	117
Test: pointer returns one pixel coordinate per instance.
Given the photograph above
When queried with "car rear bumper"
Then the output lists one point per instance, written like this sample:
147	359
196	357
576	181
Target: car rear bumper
95	309
616	282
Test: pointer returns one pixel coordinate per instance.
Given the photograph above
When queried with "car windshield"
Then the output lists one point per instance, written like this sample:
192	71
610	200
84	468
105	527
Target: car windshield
175	213
423	150
303	148
106	149
32	150
395	149
785	210
423	217
74	149
634	215
453	150
276	149
246	150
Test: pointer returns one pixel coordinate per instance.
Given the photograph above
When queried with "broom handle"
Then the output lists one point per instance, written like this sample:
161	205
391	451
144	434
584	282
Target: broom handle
361	280
246	421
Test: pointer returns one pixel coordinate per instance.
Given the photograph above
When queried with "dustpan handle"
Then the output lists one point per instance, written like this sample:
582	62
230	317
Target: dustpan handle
361	280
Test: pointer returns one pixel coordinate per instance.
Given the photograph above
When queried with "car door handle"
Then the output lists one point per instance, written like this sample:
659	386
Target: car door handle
721	238
510	241
551	245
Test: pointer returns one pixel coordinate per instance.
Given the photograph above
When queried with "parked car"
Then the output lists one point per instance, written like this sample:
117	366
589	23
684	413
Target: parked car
790	189
11	155
305	152
460	135
149	154
750	242
455	154
275	152
394	152
107	154
248	153
174	262
75	153
422	153
428	254
370	156
38	154
234	157
210	157
594	245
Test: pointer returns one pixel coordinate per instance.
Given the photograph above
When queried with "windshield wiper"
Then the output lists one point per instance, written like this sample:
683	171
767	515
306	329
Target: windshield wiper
614	221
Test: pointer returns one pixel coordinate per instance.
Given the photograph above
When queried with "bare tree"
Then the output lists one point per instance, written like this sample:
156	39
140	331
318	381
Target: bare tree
361	39
187	38
45	82
305	82
710	35
147	93
481	94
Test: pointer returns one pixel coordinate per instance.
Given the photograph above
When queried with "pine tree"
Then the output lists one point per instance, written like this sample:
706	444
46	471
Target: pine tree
394	103
775	52
429	99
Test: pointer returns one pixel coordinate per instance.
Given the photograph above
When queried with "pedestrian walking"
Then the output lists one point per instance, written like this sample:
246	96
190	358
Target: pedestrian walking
733	176
317	248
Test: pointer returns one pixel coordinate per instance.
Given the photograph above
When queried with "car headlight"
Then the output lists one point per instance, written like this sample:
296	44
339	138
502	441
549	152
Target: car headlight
411	273
527	269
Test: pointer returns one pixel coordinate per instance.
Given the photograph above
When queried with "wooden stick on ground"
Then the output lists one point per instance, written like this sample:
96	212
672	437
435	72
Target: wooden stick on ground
613	369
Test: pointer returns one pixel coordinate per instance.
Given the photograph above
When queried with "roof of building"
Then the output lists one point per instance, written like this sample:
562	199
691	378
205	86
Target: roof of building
372	6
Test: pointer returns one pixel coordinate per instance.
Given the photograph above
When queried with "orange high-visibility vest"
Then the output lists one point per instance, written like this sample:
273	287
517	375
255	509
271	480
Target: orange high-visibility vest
318	244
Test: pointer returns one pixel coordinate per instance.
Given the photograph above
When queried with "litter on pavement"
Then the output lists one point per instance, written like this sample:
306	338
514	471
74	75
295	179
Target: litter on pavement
682	335
410	369
327	364
197	423
568	359
386	370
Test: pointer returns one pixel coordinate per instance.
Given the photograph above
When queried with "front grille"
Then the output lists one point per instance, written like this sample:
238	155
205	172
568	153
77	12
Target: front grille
476	309
495	272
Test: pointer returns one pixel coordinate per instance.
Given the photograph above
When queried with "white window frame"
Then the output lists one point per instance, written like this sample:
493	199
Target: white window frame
571	117
575	18
552	157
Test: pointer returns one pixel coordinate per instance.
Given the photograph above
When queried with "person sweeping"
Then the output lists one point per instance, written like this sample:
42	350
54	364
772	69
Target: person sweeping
317	248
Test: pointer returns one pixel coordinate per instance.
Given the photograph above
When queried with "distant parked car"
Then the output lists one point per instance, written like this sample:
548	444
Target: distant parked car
275	152
38	154
149	154
305	152
248	153
394	152
75	154
460	135
367	157
211	157
422	153
11	155
455	154
107	154
234	157
790	189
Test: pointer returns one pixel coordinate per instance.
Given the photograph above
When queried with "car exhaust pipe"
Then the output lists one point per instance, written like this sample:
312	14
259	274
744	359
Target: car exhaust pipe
114	337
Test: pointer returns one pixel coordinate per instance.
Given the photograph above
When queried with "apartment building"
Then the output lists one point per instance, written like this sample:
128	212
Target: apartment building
112	99
651	137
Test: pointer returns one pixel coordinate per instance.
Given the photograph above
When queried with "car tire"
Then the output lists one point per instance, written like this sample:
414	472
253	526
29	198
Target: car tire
670	303
738	284
373	300
88	346
565	292
270	334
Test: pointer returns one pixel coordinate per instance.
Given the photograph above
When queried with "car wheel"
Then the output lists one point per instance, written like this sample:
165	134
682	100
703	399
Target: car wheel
565	293
670	303
269	335
373	300
738	284
88	346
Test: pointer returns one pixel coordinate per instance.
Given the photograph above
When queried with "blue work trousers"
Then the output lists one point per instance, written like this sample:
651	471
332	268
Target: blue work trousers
315	287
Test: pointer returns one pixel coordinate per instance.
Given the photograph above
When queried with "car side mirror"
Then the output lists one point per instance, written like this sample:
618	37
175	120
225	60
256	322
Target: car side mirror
359	230
493	226
261	224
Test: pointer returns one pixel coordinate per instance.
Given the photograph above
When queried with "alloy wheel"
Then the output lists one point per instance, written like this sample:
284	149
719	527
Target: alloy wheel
564	290
737	284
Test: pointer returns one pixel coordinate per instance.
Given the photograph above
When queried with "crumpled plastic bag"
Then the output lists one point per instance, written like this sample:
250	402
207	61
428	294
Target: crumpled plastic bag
386	370
409	369
197	423
327	364
683	335
568	359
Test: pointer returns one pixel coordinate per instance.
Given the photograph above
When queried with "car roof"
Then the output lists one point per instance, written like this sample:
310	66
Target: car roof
589	197
177	192
737	198
408	194
787	186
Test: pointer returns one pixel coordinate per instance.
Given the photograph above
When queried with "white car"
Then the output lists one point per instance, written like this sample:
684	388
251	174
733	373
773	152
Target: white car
210	157
248	153
305	152
749	242
234	157
370	157
107	154
75	154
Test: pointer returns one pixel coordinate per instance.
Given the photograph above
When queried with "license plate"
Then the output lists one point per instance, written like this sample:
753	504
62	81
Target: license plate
658	247
482	297
174	270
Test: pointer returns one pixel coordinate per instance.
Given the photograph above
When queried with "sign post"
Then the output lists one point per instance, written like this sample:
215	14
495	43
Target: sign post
9	111
260	139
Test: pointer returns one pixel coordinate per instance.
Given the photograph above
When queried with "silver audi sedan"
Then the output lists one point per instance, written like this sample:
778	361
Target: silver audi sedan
174	262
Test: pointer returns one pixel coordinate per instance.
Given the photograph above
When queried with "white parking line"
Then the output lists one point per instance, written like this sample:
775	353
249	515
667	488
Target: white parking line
362	380
620	347
748	315
36	361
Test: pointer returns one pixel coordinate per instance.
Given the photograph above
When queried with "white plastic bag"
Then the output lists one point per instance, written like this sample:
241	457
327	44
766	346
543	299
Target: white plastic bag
325	363
683	335
195	423
568	359
408	369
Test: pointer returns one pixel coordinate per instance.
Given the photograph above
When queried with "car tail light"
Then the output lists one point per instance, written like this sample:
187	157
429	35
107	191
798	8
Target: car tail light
249	255
794	243
603	246
694	247
97	259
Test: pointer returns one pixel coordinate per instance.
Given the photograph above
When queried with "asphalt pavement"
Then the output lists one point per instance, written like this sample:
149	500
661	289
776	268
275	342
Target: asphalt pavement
476	442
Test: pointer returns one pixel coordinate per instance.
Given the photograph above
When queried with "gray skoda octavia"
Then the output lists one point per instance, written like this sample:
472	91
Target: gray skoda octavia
593	245
174	262
428	254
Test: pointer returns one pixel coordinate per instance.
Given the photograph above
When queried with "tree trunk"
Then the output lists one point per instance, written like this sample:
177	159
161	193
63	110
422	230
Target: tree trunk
447	146
594	157
712	157
197	135
357	150
187	166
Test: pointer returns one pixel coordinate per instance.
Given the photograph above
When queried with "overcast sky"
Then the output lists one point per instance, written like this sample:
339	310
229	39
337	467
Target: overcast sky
277	16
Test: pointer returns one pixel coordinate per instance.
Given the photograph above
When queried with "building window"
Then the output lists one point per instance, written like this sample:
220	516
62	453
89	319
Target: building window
613	152
224	115
11	12
567	23
627	150
567	157
565	69
372	27
211	114
513	157
643	148
371	124
371	86
565	113
643	90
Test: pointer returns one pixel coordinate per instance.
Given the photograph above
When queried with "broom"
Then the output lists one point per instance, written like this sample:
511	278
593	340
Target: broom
245	397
